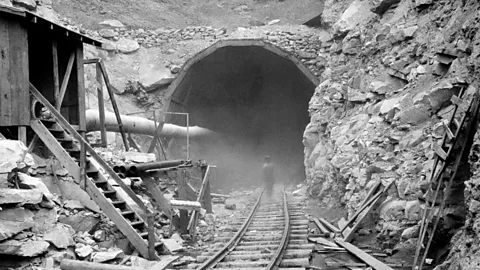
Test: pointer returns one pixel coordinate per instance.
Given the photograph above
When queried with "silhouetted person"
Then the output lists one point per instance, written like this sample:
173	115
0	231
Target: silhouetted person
268	175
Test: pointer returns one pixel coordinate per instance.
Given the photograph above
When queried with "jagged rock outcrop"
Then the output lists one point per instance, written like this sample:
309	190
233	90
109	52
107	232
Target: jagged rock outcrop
378	114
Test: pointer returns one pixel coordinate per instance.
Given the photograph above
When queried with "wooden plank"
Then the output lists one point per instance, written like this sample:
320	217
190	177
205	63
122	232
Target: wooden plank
323	241
320	226
55	147
374	263
363	205
132	142
164	262
66	78
185	205
351	233
22	134
19	74
161	202
5	100
151	236
441	153
117	218
182	194
64	124
207	199
155	138
103	69
81	109
101	106
459	102
330	226
56	77
91	61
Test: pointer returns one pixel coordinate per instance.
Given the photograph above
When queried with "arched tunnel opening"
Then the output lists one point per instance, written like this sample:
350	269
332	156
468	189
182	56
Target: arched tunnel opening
256	96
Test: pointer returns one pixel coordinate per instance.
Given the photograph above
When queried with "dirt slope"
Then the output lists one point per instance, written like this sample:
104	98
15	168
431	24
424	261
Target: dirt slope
150	14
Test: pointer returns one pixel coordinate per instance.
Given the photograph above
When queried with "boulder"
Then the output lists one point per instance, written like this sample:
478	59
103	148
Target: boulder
83	251
381	6
107	33
437	97
392	210
125	45
20	196
60	236
413	211
80	222
358	12
66	254
13	153
11	228
23	249
28	182
28	4
412	232
112	24
171	245
414	115
73	205
107	255
412	139
152	77
174	69
7	3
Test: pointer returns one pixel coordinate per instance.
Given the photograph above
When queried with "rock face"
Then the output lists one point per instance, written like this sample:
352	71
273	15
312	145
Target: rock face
379	112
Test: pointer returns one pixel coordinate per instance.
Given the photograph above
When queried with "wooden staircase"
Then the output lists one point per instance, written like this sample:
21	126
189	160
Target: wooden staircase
61	139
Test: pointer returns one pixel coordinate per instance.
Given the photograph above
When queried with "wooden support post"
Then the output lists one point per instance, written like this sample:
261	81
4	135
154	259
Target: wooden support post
22	134
66	78
101	105
182	194
133	142
151	235
81	107
114	103
351	233
161	203
207	199
56	78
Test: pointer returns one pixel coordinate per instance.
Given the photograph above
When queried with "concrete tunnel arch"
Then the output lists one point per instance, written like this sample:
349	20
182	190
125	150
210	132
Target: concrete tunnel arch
254	93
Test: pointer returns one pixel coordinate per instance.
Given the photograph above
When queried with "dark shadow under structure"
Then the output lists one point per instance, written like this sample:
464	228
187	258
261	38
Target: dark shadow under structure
256	95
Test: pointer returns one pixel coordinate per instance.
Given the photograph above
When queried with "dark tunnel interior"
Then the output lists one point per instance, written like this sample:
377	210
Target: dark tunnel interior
258	101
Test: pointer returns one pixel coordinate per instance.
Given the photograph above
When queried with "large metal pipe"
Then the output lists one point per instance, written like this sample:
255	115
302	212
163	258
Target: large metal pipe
155	165
140	125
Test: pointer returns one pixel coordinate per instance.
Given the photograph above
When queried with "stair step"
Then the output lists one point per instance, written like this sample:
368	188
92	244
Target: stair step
115	203
126	213
92	173
136	223
143	234
100	182
109	192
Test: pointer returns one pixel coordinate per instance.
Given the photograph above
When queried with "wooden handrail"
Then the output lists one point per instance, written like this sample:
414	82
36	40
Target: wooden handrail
64	123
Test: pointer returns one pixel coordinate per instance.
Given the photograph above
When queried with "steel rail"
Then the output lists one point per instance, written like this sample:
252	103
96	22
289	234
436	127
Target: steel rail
223	252
277	258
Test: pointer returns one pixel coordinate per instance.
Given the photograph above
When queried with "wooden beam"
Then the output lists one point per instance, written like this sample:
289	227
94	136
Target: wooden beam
351	233
320	226
363	205
56	78
91	61
161	203
101	105
66	78
22	134
182	195
103	69
374	263
330	226
133	142
81	110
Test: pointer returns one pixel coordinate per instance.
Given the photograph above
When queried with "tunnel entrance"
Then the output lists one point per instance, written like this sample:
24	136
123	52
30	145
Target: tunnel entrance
256	96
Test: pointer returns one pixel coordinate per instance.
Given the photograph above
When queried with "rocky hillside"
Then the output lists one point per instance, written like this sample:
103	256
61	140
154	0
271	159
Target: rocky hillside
379	113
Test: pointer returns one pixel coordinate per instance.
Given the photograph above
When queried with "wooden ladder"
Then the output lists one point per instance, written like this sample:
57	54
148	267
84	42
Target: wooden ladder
64	142
447	160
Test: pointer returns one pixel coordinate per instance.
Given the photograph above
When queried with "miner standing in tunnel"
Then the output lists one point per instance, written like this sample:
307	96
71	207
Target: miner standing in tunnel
268	175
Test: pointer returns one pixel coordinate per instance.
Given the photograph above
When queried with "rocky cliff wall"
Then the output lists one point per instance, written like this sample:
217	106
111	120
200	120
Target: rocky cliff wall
380	110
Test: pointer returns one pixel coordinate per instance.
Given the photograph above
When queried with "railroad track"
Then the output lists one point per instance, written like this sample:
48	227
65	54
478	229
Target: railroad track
272	236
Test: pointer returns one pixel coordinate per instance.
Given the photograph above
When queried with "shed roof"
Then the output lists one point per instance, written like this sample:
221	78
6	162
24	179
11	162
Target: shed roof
42	22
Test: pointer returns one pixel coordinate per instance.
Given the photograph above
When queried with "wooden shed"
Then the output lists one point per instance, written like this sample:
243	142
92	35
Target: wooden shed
35	51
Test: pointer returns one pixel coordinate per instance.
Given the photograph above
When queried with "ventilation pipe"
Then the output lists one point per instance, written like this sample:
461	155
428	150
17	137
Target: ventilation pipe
140	125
